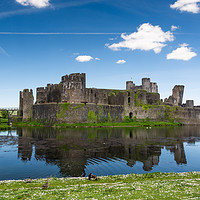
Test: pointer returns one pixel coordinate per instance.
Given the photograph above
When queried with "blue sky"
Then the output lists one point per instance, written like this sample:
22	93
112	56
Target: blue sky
42	40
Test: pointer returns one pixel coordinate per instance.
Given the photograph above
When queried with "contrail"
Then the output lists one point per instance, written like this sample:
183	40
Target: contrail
3	51
18	33
60	33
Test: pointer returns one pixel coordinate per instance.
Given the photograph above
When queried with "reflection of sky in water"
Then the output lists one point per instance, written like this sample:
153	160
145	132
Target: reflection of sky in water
12	166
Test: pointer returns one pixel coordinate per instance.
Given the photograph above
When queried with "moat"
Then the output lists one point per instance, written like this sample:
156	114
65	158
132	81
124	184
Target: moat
45	152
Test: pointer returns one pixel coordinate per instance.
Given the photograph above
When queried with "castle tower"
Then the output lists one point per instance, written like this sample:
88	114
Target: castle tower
53	93
146	85
177	94
41	95
73	88
20	104
190	103
153	87
130	85
26	104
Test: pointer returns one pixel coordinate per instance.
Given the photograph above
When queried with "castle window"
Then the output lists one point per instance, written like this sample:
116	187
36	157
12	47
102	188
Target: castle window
130	115
129	100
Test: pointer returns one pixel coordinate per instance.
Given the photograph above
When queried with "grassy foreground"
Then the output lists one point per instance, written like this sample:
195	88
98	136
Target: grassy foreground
135	186
106	124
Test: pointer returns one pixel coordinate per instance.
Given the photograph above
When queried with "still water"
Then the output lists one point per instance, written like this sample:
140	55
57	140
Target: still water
46	152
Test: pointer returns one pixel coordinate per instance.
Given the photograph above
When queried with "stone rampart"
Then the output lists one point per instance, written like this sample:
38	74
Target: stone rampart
187	116
76	113
81	113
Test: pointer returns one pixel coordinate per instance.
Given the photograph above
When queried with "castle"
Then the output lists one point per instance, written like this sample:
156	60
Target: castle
73	89
70	101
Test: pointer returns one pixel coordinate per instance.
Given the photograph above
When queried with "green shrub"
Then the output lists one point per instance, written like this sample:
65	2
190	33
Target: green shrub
92	118
147	119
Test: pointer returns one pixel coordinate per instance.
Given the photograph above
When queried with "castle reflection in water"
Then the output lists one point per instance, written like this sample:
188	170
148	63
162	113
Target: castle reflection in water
73	149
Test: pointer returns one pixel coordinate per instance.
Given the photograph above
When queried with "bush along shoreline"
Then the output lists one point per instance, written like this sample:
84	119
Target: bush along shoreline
3	124
4	127
132	186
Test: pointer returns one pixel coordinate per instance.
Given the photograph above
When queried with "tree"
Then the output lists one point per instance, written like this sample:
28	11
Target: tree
4	114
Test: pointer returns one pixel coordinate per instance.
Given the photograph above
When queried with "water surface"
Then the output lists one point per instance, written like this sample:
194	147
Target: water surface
45	152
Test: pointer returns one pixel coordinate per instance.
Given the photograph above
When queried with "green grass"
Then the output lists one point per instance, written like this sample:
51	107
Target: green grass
122	124
140	186
21	124
106	124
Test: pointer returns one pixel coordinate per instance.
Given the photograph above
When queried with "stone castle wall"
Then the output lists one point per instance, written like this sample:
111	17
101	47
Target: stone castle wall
105	96
76	113
81	113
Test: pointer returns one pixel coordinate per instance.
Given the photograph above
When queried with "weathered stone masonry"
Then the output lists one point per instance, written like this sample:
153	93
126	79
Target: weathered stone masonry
26	103
76	113
71	102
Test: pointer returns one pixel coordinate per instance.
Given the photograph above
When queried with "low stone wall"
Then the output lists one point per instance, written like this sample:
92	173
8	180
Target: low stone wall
76	113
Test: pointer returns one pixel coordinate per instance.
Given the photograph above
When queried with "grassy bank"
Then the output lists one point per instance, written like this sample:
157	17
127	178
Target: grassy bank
141	186
122	124
106	124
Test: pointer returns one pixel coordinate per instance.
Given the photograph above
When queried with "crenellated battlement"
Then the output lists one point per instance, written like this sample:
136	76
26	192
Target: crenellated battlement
146	85
73	77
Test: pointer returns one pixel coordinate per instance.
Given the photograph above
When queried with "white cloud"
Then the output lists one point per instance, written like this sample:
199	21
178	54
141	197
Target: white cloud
84	58
182	53
187	5
121	62
115	38
147	37
173	28
34	3
97	59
